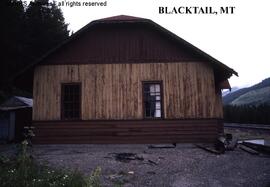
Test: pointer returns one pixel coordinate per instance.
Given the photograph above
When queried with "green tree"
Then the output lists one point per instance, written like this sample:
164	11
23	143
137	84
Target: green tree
45	27
27	32
247	114
12	34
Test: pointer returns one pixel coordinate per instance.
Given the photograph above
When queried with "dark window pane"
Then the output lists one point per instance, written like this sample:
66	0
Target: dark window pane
71	101
147	105
147	113
146	88
152	98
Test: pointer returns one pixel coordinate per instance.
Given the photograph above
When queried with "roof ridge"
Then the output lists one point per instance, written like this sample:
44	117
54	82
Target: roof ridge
121	17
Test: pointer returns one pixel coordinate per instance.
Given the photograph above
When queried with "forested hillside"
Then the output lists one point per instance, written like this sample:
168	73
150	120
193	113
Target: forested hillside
249	105
257	91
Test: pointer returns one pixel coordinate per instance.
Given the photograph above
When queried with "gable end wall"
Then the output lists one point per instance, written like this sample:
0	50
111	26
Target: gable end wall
114	91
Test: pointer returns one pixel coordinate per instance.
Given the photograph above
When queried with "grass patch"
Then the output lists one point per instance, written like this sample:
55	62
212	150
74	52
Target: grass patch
23	171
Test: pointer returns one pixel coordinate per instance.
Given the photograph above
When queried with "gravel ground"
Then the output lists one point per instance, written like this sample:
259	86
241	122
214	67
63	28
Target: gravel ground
248	134
185	165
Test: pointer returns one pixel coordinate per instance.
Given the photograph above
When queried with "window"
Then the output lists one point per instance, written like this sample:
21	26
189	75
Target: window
71	101
152	99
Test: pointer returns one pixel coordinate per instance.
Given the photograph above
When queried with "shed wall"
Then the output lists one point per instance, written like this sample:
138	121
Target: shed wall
114	91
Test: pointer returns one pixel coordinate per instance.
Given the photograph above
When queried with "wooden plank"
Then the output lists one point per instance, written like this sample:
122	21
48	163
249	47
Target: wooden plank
169	131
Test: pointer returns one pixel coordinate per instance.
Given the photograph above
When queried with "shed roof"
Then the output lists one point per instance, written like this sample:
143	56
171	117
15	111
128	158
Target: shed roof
16	102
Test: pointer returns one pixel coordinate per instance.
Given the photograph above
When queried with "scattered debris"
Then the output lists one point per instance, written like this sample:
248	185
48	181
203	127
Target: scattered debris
255	146
232	144
261	148
226	143
126	157
257	141
220	145
122	173
151	172
107	157
249	150
131	172
120	178
152	162
228	136
210	148
117	178
223	143
114	176
162	146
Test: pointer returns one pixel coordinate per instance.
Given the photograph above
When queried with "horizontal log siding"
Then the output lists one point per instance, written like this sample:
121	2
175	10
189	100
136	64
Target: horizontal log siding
114	91
127	131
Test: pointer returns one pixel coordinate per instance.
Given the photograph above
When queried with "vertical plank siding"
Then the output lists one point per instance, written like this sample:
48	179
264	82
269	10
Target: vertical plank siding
114	91
123	43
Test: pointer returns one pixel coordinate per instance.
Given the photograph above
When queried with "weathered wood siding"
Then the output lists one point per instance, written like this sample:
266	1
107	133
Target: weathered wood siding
124	43
114	91
127	131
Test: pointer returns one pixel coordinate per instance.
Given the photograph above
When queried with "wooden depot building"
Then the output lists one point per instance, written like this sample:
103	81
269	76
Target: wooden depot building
127	80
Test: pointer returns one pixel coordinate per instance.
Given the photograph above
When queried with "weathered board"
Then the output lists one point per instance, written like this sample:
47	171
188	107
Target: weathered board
114	91
127	131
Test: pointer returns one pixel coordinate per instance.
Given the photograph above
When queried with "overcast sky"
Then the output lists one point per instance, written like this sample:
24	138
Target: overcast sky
241	40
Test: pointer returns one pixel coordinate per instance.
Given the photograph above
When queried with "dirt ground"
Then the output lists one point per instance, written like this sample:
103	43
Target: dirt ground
185	165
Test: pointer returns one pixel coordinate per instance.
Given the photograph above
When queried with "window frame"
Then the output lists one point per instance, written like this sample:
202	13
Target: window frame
62	101
160	82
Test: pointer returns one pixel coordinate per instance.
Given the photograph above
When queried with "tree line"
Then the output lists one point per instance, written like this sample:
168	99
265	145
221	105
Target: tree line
247	114
27	32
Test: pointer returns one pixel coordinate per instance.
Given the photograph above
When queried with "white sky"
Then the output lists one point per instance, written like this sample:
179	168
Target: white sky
241	41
